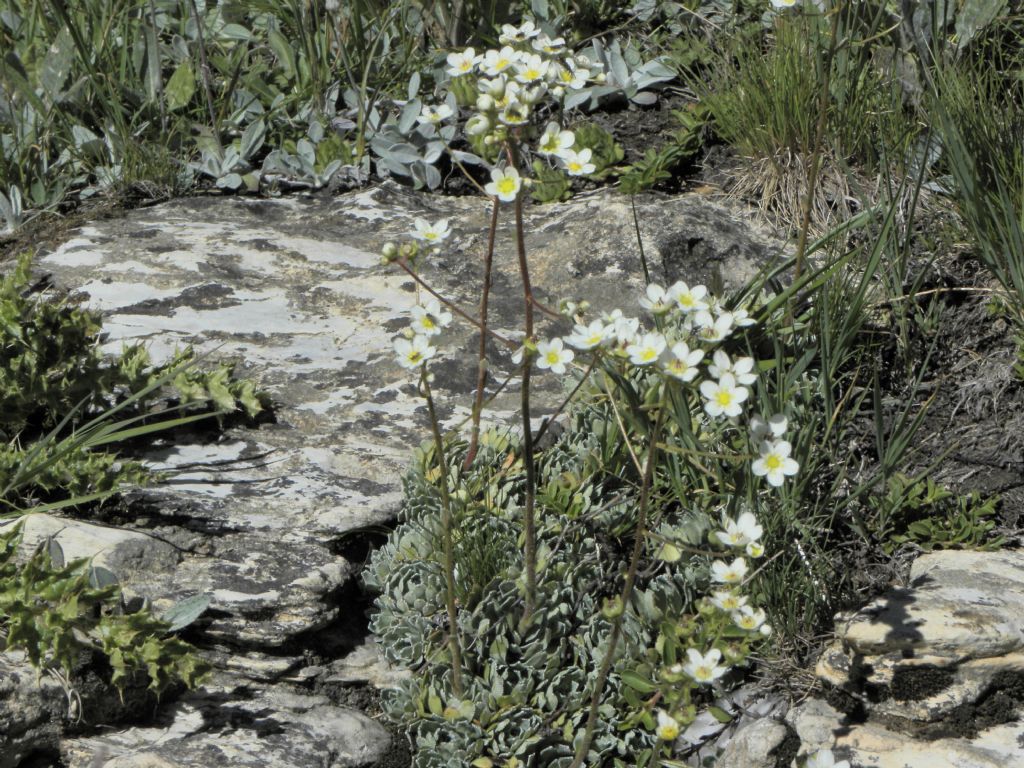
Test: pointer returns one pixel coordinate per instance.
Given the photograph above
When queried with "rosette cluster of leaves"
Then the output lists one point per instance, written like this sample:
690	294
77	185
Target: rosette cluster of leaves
688	626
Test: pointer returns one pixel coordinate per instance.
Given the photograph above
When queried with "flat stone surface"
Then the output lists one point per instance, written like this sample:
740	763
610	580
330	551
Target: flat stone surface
232	723
753	746
959	605
31	711
871	745
294	292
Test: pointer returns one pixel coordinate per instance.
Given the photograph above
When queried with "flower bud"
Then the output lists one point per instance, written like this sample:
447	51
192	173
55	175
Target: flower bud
612	607
478	124
600	77
389	252
558	91
485	103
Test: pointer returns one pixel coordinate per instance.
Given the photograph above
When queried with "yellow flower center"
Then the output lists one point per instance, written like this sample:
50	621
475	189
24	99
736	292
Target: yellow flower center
703	672
430	235
553	357
501	64
532	74
648	354
773	461
574	166
724	398
415	357
668	732
686	300
507	185
566	76
426	322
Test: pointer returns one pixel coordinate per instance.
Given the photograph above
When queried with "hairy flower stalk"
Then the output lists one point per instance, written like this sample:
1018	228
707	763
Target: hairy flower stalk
481	377
627	587
446	533
529	523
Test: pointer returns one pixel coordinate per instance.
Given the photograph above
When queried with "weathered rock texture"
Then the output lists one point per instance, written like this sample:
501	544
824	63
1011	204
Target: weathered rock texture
260	519
931	674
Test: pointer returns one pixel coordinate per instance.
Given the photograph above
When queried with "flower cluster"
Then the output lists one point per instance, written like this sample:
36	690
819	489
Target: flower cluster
416	345
506	86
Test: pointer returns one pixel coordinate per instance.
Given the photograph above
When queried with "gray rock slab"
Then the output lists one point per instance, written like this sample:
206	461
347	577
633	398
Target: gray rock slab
232	723
754	745
31	712
294	292
959	604
873	745
938	644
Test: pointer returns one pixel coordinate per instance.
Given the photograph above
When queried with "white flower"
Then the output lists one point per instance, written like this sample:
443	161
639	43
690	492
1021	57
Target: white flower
531	69
755	549
586	337
704	668
431	233
775	426
766	630
712	328
741	370
554	141
723	397
774	463
436	114
577	163
729	573
683	364
551	354
478	124
533	94
548	45
496	62
668	726
748	618
656	300
413	354
688	299
624	329
784	4
428	319
739	532
742	318
647	349
824	758
513	34
728	601
571	76
505	184
495	88
515	113
462	63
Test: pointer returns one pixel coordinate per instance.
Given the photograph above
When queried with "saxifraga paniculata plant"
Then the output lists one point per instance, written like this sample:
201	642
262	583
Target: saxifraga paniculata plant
566	606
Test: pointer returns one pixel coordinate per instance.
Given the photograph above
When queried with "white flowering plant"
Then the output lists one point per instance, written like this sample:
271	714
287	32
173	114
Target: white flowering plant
675	389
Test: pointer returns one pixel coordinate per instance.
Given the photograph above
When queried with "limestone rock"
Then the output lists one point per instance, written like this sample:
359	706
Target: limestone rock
241	726
121	551
959	605
365	664
754	746
31	712
873	745
924	652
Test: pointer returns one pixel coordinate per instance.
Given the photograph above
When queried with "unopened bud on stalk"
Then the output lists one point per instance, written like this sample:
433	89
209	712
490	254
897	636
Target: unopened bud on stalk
612	607
389	252
484	103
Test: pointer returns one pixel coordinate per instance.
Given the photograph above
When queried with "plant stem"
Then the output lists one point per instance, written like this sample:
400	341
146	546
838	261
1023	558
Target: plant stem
481	376
529	523
452	306
627	587
446	532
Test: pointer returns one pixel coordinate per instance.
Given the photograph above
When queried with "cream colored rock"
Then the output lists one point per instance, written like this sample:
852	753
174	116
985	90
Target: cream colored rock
753	746
119	550
959	605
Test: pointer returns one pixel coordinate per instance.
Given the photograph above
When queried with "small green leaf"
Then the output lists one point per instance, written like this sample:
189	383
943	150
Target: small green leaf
181	87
